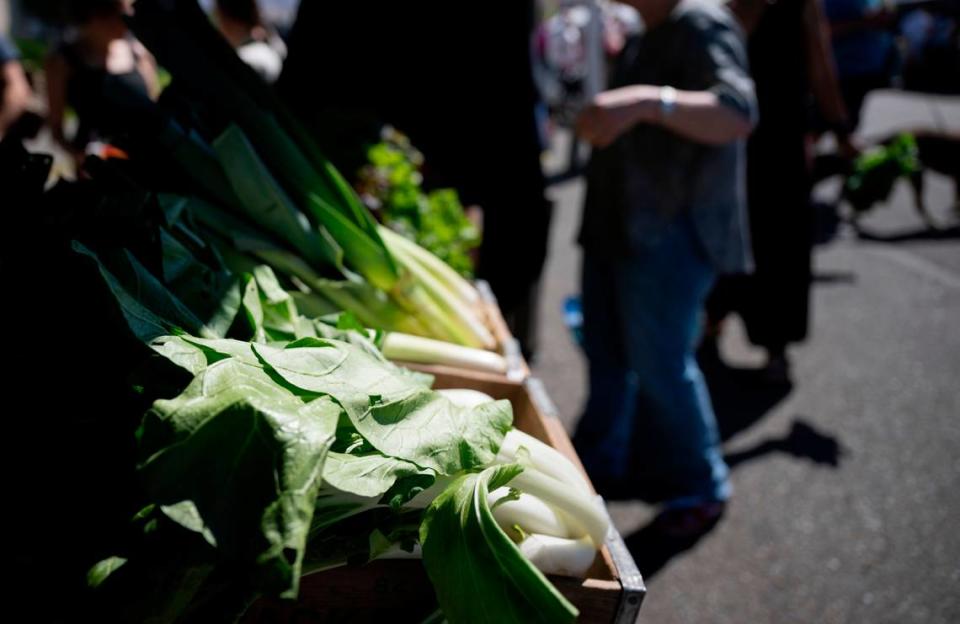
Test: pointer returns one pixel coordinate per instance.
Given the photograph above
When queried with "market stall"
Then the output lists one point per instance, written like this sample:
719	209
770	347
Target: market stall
320	418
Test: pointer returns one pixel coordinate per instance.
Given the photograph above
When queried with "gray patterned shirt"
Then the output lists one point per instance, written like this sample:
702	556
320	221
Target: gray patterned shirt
651	175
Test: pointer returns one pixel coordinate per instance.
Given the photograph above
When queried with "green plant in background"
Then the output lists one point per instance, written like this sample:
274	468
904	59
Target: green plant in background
392	185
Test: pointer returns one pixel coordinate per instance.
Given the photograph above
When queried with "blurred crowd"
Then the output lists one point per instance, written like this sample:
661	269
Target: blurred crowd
86	64
704	118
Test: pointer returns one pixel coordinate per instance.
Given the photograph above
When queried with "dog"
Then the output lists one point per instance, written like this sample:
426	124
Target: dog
940	153
870	178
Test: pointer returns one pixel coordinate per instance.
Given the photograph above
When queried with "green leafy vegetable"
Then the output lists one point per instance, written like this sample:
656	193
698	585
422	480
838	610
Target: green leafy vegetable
254	497
369	475
398	418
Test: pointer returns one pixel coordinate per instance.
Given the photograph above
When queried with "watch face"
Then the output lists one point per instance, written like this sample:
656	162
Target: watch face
668	100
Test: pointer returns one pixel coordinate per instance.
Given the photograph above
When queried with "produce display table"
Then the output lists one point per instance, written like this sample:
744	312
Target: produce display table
213	240
399	590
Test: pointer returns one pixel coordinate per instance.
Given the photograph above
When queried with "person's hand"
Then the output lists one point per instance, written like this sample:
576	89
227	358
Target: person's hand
614	112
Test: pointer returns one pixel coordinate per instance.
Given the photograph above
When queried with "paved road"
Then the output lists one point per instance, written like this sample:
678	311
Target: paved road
847	504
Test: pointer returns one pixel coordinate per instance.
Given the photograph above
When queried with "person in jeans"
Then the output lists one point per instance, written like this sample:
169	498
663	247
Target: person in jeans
665	214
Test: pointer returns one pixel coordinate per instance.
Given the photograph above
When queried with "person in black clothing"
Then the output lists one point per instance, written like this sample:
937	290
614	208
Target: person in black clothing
457	79
95	74
790	56
14	88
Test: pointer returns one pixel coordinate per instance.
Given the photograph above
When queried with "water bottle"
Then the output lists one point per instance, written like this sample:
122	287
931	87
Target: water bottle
573	317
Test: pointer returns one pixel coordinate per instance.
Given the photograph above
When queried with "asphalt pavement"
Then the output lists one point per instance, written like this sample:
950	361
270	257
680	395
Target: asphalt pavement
847	483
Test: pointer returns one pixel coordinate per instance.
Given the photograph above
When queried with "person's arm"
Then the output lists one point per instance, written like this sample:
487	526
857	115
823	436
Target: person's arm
147	67
823	74
16	94
720	108
700	116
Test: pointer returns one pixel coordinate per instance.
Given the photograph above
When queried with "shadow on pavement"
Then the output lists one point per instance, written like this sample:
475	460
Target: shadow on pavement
831	278
741	398
803	442
652	548
921	234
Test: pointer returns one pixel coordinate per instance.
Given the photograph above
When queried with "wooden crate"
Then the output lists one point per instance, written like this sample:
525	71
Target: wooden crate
507	345
399	590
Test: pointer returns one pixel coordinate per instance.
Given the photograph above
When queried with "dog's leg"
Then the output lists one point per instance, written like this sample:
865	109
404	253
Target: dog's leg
916	184
846	213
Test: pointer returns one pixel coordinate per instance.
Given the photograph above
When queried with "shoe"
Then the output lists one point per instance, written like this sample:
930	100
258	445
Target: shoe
689	522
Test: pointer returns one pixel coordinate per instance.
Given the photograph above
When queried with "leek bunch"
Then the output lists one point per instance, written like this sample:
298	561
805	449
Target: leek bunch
270	196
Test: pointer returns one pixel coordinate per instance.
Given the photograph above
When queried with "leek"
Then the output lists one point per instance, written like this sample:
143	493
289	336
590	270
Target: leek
460	318
419	350
268	172
442	271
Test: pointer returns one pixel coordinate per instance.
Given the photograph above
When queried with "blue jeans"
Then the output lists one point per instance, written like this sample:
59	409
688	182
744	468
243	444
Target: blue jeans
648	414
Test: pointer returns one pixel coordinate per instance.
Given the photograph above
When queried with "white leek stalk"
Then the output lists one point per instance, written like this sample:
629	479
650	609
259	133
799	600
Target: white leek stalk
440	269
408	348
457	316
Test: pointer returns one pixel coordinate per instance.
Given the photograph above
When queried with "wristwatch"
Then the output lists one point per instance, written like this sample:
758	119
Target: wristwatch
668	101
